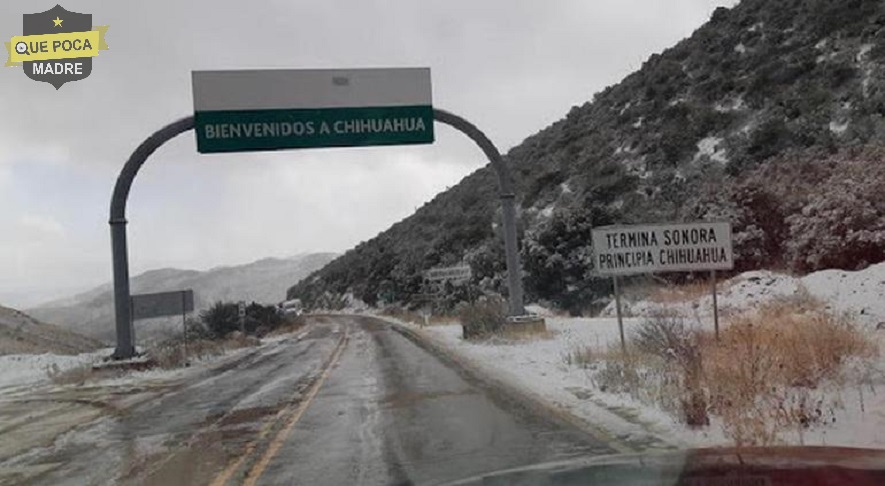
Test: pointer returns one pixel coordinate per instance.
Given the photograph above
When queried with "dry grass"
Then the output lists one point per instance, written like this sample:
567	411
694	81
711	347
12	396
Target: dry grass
170	354
483	319
580	355
779	370
776	370
505	338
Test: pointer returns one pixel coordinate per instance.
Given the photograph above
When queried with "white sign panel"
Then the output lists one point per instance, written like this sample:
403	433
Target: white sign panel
287	89
453	274
688	247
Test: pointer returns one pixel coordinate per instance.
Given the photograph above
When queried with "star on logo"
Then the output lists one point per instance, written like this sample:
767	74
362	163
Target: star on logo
58	21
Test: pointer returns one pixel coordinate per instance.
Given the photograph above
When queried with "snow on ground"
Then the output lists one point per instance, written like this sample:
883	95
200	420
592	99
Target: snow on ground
539	310
541	367
20	372
709	147
838	127
29	369
859	293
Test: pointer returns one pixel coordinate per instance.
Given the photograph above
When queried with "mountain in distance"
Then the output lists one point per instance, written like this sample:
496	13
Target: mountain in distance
22	334
764	86
264	281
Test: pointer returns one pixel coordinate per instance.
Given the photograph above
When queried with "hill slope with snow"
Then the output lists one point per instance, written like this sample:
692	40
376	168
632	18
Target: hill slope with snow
264	281
22	334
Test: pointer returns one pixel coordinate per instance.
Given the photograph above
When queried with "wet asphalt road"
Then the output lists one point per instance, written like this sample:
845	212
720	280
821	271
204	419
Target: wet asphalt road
349	401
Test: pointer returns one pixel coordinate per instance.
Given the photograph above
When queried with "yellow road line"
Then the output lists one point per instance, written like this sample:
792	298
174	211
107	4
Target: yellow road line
225	475
283	435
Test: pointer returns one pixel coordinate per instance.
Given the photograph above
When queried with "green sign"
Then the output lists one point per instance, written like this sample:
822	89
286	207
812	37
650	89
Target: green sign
239	111
238	131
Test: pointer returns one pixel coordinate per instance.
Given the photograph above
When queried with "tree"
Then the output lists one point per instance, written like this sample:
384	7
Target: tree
221	319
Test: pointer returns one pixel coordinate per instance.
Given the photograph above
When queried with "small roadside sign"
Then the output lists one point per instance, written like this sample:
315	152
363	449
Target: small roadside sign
678	247
165	304
162	304
254	110
457	274
683	247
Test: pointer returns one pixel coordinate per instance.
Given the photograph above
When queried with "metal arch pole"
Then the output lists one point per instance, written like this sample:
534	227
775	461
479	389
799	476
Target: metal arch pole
508	203
122	305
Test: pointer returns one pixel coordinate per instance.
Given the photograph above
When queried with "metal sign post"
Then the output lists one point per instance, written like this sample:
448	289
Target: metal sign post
184	325
620	319
241	313
715	305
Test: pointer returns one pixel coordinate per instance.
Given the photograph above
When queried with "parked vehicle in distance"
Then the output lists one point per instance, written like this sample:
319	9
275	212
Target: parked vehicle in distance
291	308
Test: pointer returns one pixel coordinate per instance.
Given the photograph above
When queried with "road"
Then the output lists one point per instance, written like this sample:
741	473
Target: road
348	401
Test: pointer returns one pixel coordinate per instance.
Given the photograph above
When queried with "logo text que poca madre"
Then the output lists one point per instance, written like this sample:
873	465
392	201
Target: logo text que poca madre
56	46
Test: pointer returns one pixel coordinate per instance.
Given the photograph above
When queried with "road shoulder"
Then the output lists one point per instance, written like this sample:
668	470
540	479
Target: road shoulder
620	431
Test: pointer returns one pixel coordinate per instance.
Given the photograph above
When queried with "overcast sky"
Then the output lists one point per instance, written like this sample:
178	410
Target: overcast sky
510	66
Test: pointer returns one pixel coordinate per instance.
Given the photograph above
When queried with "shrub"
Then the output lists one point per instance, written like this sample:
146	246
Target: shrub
580	356
772	370
223	318
170	353
780	368
266	316
783	219
619	373
484	318
665	336
661	335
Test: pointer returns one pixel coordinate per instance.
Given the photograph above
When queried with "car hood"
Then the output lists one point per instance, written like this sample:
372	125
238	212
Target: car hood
706	467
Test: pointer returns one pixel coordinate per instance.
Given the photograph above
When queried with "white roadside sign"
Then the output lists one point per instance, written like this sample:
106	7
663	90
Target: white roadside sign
452	274
684	247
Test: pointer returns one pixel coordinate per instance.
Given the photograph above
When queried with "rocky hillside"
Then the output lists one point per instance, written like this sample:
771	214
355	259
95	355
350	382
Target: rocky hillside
758	82
264	281
22	334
